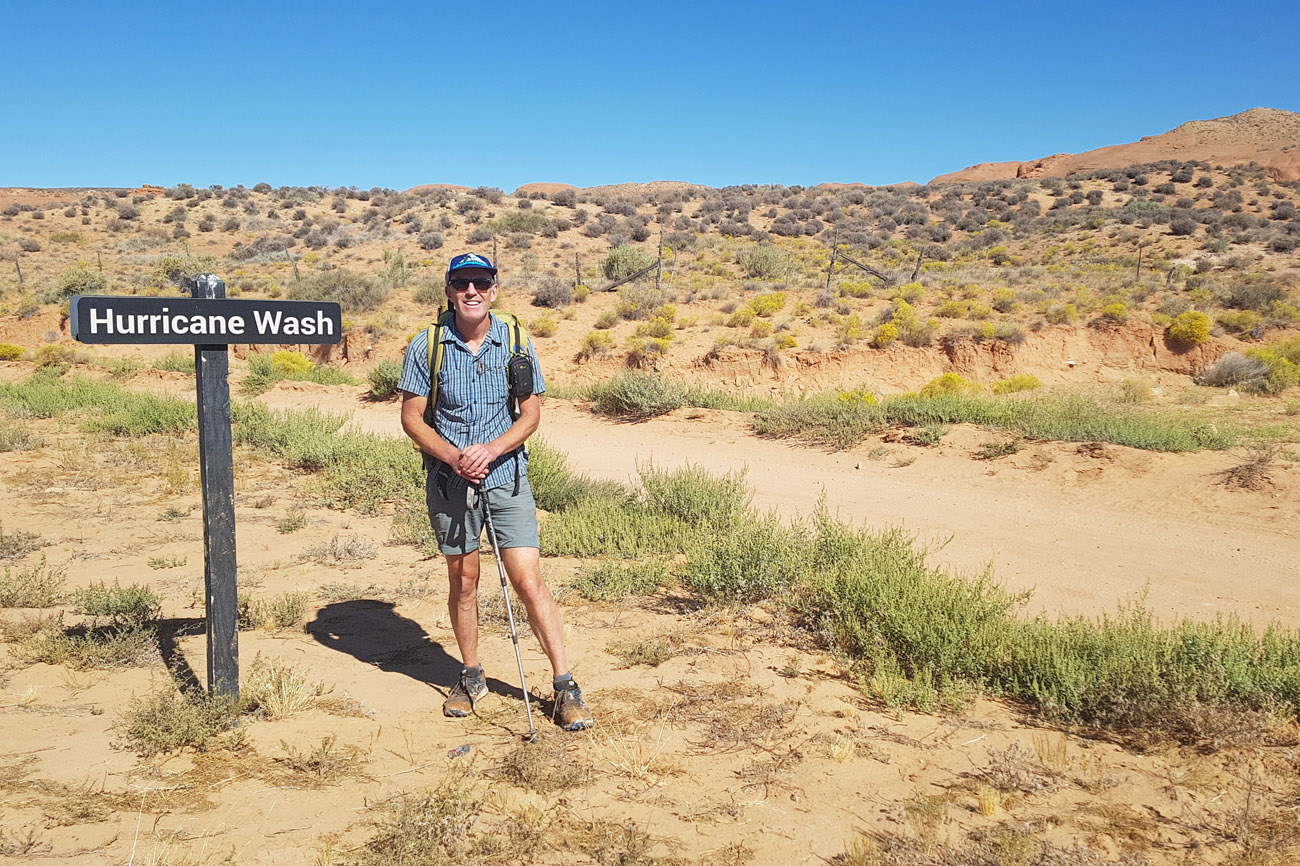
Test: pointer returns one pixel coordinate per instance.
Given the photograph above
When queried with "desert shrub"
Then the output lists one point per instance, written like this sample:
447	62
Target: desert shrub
360	470
657	327
170	720
179	269
606	320
1182	226
136	605
29	245
1005	301
638	302
384	378
821	419
431	241
927	435
1282	371
767	303
527	221
1239	322
1116	312
286	610
881	604
912	329
610	581
952	309
354	293
580	293
1017	383
1061	314
595	344
553	293
18	437
1190	328
636	395
37	585
765	262
18	543
948	383
1134	390
695	496
1256	294
176	362
1235	369
623	261
756	558
556	487
1066	418
76	281
10	352
543	326
616	527
742	318
884	335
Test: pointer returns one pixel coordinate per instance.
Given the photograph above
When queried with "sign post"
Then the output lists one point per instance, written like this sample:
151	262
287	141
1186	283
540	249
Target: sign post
217	479
210	322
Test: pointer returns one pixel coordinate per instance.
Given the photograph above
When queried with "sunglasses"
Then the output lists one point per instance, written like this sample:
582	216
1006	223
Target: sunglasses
460	284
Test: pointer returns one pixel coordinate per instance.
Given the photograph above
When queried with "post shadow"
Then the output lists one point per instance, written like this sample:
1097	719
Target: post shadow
374	632
168	630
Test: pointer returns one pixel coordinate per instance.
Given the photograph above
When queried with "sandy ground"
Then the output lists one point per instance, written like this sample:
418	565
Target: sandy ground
746	745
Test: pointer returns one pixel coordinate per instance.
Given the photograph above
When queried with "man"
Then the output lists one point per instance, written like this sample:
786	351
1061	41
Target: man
476	440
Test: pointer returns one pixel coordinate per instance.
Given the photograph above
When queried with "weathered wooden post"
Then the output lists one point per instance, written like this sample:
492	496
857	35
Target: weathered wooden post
210	322
217	479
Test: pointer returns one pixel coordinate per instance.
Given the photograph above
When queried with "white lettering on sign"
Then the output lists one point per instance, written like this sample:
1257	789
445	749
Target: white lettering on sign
288	324
274	322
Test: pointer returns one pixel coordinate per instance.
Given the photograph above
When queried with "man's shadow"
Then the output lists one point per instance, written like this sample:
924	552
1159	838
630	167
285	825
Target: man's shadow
373	632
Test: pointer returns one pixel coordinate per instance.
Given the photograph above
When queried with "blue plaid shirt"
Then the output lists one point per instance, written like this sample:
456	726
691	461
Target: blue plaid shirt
472	394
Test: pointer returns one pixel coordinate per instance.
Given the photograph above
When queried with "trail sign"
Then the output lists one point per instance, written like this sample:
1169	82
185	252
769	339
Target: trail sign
210	322
114	319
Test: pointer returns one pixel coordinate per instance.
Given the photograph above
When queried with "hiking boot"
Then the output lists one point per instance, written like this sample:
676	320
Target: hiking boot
570	709
464	695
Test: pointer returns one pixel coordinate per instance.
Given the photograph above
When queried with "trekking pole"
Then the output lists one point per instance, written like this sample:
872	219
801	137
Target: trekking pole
472	493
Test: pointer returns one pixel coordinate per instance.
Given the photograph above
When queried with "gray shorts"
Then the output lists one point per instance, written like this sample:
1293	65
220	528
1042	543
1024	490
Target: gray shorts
514	516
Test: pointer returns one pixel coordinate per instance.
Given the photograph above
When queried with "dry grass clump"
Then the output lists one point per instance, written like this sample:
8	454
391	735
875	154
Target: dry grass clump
732	714
21	842
324	764
1002	846
342	552
651	652
82	648
36	586
275	689
17	544
286	610
1255	472
1016	770
170	720
430	829
632	747
546	765
19	630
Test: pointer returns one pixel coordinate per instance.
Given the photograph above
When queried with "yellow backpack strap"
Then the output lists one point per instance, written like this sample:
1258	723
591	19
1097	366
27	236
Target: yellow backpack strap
518	334
433	336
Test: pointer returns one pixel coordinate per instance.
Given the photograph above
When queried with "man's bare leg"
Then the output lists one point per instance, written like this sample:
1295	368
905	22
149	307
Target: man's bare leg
523	565
462	604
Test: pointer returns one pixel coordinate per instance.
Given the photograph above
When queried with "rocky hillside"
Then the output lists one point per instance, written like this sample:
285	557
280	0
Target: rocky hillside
1265	136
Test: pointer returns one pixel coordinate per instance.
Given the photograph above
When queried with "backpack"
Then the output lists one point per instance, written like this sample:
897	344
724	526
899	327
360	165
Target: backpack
514	371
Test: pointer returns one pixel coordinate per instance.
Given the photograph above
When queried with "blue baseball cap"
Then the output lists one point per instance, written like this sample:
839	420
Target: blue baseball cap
470	260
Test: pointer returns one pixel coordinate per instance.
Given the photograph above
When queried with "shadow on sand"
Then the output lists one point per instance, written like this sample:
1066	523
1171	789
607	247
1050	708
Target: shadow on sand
373	632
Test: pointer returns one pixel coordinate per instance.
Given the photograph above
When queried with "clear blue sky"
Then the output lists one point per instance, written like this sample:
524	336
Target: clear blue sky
396	94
